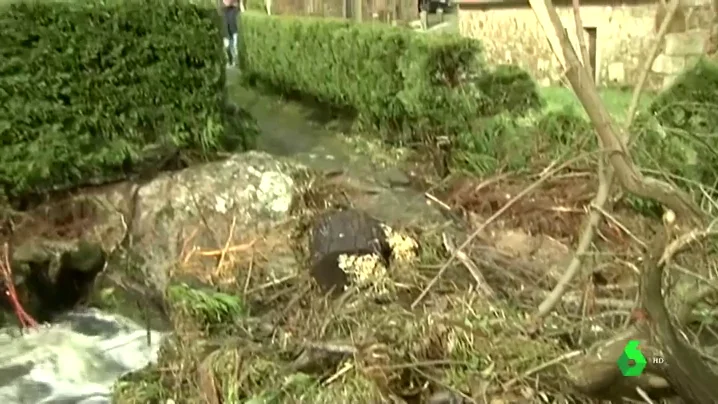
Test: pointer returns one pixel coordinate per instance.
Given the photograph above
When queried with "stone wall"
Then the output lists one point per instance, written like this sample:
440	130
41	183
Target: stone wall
624	34
680	50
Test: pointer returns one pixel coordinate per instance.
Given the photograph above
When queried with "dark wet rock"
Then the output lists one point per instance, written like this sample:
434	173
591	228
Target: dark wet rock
88	322
9	374
52	277
348	232
397	178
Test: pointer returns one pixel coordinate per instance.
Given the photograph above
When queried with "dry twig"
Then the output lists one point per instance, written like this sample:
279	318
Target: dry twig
225	249
477	232
481	283
541	367
8	284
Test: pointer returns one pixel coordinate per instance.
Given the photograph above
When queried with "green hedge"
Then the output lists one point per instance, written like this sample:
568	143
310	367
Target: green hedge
683	122
91	90
393	77
508	88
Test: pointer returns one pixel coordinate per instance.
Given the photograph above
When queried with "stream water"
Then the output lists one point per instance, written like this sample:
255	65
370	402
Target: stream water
75	360
291	129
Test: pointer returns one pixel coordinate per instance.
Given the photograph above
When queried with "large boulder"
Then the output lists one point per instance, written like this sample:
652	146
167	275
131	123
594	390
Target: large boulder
244	196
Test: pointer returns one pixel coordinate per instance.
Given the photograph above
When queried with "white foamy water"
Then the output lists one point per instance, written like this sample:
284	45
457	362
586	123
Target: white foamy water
75	361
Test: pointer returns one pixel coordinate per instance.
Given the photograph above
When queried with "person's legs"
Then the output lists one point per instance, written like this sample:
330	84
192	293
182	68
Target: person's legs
233	49
230	43
226	45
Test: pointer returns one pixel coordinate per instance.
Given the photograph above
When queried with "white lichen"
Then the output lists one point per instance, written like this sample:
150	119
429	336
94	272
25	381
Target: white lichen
221	204
368	273
275	191
403	248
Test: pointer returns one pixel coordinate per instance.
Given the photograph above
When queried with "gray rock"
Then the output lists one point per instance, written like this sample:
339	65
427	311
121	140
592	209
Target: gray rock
255	190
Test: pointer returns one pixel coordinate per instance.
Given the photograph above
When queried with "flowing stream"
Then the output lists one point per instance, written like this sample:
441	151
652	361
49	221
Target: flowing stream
76	360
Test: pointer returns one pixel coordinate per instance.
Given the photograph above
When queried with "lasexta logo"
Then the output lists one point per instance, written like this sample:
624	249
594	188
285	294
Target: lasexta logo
632	362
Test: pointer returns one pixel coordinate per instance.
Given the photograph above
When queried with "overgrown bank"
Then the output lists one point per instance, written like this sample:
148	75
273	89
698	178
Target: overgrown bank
93	91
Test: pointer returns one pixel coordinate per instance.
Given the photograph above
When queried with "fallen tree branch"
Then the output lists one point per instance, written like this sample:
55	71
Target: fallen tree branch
679	244
473	269
544	12
574	266
610	133
685	240
596	374
691	378
496	215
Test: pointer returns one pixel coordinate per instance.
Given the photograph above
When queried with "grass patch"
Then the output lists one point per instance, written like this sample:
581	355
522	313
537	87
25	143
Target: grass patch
617	101
559	131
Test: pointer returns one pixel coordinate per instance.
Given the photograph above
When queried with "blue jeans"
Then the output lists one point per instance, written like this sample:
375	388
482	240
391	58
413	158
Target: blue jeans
230	44
231	21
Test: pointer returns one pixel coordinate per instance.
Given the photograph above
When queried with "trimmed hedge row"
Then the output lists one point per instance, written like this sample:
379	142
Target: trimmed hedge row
508	88
681	125
394	78
89	91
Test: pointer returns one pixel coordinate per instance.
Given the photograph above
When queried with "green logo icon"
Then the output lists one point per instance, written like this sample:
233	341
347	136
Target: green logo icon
632	354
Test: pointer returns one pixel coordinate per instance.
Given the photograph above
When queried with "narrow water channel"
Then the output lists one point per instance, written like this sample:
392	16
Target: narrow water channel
290	129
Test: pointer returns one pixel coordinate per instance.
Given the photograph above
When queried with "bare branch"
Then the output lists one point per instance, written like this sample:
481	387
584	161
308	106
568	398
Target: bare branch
544	11
579	35
655	49
584	243
691	378
607	129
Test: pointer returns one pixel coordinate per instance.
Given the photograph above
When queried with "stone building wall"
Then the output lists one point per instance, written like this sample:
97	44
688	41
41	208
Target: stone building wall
680	51
624	33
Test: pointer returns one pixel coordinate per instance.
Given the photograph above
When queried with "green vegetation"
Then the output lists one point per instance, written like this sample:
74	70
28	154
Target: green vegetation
206	308
686	122
617	101
508	88
111	101
562	129
92	91
389	76
398	81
